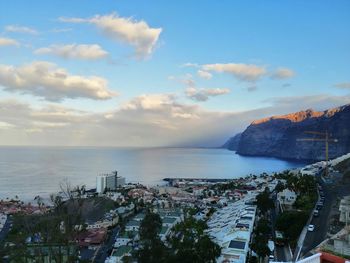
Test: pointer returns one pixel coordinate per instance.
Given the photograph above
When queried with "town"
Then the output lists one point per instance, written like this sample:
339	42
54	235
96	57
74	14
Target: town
297	215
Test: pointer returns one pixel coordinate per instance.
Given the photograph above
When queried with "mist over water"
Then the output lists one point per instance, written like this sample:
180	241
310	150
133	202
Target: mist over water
31	171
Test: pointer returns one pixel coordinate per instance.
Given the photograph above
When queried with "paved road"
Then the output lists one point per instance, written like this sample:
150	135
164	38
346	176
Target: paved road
106	248
6	228
331	192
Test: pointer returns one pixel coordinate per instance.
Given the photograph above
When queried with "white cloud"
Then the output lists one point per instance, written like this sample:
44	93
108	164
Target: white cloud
150	102
74	51
6	125
21	29
127	30
8	42
343	85
190	65
243	72
204	94
44	79
61	30
204	74
283	73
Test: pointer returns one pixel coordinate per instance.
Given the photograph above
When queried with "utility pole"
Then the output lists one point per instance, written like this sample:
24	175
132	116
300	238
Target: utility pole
324	137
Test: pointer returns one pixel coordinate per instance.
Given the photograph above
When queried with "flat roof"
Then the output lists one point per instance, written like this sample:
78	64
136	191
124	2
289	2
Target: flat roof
237	244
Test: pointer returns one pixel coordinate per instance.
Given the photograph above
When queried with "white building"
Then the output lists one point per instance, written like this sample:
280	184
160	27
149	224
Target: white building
287	197
231	228
110	181
344	209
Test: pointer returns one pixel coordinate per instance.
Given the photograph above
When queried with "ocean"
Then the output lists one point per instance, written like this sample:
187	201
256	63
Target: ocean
30	171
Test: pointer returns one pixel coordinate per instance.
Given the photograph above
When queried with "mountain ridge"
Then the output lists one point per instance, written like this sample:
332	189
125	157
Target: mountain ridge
278	136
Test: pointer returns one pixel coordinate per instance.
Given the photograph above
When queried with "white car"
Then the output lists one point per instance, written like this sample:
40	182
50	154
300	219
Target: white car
311	228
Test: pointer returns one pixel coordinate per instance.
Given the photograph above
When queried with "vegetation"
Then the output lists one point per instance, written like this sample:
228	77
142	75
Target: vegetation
188	244
49	236
260	241
264	202
292	222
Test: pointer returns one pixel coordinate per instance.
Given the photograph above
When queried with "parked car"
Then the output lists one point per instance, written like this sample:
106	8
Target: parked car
311	228
316	213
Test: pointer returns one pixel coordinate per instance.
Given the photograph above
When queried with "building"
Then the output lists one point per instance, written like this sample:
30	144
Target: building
109	181
231	228
344	209
287	197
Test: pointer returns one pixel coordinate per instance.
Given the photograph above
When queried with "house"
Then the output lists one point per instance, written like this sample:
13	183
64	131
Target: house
133	225
126	238
118	254
287	197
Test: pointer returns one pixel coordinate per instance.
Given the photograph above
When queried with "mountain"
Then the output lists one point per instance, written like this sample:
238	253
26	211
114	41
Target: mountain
232	143
278	136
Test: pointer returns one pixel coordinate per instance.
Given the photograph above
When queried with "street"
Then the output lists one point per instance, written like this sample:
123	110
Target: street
331	193
105	249
6	228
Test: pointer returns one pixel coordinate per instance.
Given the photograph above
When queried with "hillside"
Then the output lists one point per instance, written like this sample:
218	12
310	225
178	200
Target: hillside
278	136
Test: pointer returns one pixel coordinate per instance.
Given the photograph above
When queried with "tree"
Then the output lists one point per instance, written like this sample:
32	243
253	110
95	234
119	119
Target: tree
260	240
152	248
279	187
260	246
264	202
191	244
150	226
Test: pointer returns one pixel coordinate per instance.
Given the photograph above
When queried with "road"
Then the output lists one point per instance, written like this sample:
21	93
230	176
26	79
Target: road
106	248
331	193
6	228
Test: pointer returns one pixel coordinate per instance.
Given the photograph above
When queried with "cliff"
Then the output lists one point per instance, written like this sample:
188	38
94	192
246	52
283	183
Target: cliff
232	143
278	136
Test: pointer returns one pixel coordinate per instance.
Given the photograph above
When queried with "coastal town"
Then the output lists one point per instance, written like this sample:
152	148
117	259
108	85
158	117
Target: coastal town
281	217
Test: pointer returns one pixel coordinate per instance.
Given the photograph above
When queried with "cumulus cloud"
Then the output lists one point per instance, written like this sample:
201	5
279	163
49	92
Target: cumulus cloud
126	30
74	51
282	73
204	74
343	85
243	72
47	80
21	29
8	42
204	94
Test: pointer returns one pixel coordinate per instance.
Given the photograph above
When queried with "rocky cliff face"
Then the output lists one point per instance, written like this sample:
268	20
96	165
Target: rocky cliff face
233	142
278	136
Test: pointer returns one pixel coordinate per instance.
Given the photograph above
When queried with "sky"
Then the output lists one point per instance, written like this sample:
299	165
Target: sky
165	73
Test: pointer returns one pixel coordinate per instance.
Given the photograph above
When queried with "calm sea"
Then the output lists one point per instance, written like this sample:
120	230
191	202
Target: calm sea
30	171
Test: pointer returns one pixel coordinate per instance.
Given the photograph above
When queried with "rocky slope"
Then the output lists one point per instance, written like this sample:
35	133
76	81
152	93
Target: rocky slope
278	136
233	142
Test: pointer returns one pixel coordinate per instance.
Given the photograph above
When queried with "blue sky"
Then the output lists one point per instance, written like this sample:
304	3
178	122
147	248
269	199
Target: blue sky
302	48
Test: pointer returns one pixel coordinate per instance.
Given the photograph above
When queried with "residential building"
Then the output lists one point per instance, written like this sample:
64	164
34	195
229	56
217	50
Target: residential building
109	181
287	197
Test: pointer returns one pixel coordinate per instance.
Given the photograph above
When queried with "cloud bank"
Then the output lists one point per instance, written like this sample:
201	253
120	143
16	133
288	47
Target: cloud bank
147	120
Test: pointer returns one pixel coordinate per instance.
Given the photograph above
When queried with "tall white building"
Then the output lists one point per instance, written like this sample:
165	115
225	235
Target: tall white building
110	181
